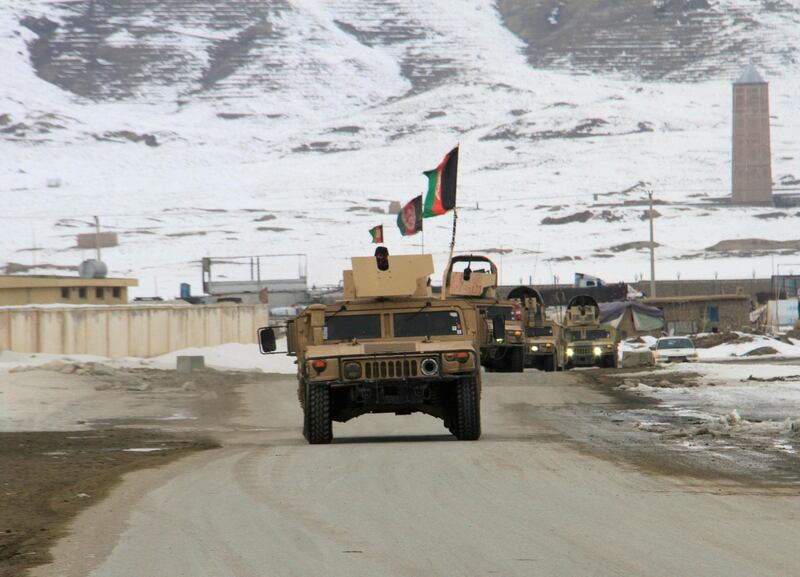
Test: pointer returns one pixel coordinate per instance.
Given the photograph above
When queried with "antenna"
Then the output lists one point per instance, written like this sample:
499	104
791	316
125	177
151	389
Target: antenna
33	251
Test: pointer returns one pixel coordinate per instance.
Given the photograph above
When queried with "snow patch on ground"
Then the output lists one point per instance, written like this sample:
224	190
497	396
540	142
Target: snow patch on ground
235	356
759	396
741	349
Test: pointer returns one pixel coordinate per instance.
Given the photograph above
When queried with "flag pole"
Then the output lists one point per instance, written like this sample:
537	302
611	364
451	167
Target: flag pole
422	230
453	240
455	220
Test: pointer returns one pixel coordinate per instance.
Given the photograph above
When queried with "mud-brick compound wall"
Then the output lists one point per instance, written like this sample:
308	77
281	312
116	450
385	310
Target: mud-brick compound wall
696	314
128	330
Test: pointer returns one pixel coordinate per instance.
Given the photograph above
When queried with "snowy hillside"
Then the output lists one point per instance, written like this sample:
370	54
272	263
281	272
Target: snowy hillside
187	125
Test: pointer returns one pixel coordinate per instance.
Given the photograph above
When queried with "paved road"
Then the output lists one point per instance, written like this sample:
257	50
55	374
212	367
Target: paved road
396	496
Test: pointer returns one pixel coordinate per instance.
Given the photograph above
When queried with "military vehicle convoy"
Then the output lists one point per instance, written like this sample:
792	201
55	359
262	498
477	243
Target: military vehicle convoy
587	342
544	337
388	347
500	351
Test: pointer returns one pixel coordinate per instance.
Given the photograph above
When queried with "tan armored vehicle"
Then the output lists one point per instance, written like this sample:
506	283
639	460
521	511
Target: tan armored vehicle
388	347
544	338
588	343
474	277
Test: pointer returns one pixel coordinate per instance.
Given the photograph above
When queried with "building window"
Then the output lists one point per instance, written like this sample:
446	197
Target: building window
713	314
82	292
65	292
100	292
116	292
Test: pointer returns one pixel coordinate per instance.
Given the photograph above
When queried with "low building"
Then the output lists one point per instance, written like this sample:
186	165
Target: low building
38	290
704	313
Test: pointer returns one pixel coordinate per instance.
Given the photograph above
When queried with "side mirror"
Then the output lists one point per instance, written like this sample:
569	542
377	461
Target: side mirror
499	328
266	340
467	274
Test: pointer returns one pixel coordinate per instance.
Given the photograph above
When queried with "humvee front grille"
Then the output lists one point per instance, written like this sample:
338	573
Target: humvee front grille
392	369
583	351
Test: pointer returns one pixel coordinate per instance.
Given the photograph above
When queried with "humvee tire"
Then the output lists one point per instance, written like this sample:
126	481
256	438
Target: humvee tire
516	361
466	418
317	426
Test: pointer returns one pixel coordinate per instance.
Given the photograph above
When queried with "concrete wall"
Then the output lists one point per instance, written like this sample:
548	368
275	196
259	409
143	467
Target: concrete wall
133	330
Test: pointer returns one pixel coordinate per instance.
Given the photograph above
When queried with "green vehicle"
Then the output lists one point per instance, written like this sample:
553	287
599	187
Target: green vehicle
587	342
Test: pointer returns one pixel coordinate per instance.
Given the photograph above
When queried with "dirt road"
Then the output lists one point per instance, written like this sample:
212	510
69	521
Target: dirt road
398	496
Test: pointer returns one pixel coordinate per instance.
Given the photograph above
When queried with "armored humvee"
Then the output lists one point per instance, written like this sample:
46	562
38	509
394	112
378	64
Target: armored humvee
588	343
501	352
544	337
388	347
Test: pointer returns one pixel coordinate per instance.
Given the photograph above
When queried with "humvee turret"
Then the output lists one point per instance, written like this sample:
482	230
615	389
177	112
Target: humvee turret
588	343
544	337
474	277
388	347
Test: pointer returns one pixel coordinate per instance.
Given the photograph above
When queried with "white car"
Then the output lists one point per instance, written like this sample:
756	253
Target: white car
674	350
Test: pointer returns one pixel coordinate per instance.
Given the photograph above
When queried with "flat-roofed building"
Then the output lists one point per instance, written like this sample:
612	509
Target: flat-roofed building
40	289
706	313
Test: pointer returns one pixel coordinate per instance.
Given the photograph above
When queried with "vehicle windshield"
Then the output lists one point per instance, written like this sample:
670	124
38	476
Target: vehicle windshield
540	331
505	312
595	334
574	335
427	324
349	327
674	344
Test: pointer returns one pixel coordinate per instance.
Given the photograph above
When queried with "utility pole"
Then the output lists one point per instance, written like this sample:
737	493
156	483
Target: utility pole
652	250
97	236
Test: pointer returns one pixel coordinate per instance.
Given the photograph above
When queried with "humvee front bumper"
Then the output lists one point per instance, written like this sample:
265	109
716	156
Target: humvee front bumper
345	370
589	358
400	383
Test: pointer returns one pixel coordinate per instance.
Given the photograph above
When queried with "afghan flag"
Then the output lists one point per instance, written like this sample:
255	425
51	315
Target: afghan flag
377	234
409	221
441	195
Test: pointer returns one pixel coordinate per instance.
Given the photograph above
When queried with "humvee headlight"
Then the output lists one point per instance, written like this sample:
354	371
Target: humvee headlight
597	351
548	345
534	348
517	333
609	347
499	340
461	356
352	371
319	365
429	367
570	352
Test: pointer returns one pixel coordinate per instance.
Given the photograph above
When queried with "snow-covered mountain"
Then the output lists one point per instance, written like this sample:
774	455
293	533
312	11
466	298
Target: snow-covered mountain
188	124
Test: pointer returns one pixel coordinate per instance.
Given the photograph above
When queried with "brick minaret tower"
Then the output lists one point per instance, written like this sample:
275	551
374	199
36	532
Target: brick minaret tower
752	167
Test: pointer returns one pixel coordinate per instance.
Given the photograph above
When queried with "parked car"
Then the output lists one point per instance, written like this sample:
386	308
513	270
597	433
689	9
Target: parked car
674	350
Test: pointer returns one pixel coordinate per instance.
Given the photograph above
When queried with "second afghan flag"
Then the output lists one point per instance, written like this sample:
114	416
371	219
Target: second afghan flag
441	195
377	234
409	220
